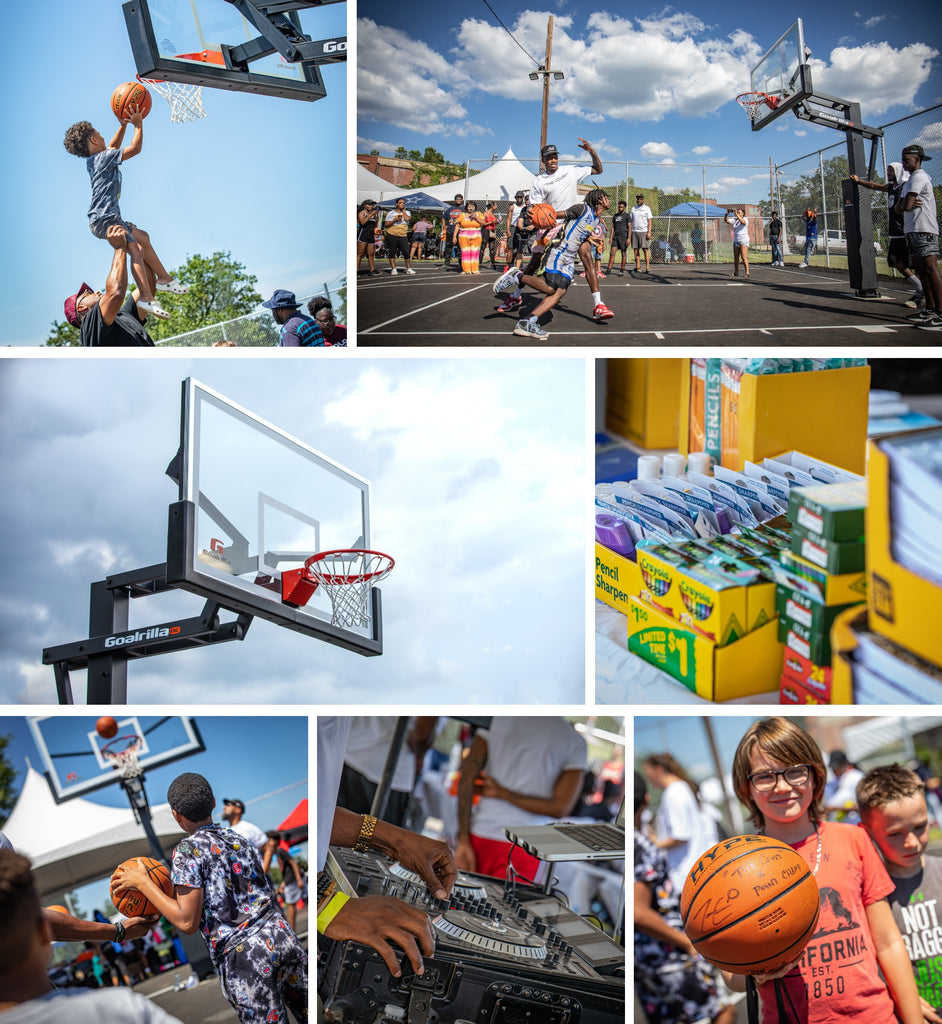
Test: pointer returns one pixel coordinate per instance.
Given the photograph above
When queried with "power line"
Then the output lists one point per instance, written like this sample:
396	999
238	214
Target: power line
512	36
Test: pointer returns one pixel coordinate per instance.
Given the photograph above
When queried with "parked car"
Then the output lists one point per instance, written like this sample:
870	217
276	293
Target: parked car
834	241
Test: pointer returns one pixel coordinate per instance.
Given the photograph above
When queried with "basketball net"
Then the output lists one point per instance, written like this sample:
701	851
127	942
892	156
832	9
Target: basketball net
348	577
752	102
123	755
186	101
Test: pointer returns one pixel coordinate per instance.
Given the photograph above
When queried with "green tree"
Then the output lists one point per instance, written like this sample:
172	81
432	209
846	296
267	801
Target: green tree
341	303
400	153
8	776
63	335
806	191
432	156
220	289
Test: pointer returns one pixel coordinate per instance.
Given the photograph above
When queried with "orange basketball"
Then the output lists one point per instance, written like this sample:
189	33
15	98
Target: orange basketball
58	909
106	727
127	95
750	904
542	215
134	904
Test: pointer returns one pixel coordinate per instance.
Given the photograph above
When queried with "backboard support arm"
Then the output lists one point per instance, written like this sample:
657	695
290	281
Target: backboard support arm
279	31
111	644
858	217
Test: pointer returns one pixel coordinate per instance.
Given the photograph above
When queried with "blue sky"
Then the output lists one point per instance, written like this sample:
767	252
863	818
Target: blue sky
258	177
274	761
643	83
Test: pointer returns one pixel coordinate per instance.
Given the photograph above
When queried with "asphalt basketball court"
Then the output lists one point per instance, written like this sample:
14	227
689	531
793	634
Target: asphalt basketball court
677	304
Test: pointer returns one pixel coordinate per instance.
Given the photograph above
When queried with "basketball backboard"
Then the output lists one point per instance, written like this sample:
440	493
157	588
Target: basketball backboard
782	73
71	749
255	502
210	43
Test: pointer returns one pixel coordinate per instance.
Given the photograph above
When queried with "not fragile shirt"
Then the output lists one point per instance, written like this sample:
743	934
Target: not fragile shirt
104	170
917	908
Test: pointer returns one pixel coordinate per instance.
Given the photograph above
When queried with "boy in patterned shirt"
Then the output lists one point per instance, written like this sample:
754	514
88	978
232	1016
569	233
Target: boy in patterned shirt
221	889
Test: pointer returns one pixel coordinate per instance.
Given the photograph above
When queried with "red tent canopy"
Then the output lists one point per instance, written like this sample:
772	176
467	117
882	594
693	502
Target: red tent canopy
295	825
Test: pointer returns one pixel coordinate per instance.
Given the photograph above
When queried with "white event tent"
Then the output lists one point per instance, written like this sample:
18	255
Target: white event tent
372	186
77	842
500	182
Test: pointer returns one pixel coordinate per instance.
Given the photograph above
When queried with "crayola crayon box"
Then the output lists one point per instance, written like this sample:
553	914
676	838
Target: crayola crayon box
717	603
751	665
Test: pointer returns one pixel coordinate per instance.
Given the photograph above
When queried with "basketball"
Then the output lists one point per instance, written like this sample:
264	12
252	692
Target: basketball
542	215
134	904
750	904
57	909
106	727
127	95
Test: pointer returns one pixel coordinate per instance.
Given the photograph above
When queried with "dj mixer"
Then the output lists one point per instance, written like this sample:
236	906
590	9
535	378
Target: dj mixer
504	952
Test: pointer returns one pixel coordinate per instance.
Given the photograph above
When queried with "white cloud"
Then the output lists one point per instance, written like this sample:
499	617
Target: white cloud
678	66
878	75
701	150
658	151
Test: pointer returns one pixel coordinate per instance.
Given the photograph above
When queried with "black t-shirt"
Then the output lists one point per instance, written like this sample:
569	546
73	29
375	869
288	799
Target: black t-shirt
621	223
775	228
127	329
894	219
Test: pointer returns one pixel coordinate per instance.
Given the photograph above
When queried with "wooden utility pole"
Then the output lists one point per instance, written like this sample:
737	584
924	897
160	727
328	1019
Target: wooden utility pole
546	82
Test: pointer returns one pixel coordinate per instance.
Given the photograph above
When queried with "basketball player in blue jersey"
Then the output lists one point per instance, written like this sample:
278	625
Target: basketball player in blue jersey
559	260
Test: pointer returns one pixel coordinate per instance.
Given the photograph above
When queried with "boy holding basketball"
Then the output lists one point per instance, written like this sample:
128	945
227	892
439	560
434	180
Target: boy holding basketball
221	889
855	966
892	804
103	162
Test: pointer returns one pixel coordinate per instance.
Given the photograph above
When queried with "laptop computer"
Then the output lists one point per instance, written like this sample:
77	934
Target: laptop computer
566	840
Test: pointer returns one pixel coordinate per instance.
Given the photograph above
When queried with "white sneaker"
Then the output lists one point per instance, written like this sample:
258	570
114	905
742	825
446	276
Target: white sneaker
409	270
393	271
155	309
802	266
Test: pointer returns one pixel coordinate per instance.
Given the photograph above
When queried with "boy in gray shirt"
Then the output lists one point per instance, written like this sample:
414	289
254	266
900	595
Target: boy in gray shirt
102	162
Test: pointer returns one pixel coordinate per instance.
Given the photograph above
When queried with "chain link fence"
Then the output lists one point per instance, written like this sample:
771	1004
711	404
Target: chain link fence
664	185
254	330
814	180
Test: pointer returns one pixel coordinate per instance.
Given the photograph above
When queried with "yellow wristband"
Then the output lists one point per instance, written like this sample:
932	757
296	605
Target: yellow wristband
333	908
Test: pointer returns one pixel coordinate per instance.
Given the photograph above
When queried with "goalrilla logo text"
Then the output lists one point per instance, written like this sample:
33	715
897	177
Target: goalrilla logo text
154	633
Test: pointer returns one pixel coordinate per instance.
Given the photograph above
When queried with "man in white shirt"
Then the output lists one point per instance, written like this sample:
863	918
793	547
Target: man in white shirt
641	220
917	204
559	187
232	811
527	771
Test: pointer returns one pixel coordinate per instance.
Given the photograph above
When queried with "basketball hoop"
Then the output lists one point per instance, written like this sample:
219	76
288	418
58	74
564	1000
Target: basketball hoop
123	755
752	101
186	101
348	577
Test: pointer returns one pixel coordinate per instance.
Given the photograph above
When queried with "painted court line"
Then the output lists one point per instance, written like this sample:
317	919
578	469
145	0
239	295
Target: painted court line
421	309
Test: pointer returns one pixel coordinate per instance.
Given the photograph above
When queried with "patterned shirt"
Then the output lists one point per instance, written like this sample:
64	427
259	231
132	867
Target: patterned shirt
236	893
301	330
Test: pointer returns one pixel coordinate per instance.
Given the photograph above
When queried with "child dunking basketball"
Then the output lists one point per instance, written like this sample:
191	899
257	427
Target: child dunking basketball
221	889
102	162
779	774
892	805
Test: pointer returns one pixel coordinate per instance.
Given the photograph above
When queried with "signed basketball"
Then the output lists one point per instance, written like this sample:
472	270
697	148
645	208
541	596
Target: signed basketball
750	904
